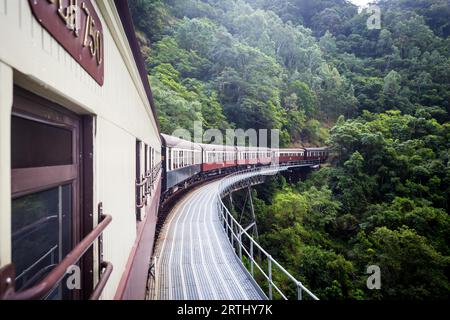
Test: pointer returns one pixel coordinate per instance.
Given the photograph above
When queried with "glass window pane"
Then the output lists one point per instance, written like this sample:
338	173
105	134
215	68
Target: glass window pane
36	144
41	233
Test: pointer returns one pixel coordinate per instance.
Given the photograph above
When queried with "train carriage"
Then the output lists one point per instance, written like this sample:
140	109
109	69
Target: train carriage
80	151
290	155
182	161
216	158
264	156
316	154
247	156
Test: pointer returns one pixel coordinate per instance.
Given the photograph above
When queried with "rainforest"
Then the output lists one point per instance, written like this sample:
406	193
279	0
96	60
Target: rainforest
314	70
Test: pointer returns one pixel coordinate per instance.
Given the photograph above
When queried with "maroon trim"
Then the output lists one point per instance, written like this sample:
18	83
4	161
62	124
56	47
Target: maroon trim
46	13
217	165
127	23
133	284
30	180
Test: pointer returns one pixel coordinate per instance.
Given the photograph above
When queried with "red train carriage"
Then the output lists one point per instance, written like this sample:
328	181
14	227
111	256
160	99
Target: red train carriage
247	156
316	154
264	156
289	155
217	157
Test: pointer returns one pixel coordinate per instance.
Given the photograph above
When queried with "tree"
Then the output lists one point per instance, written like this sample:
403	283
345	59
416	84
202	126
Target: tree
322	208
392	85
150	16
411	268
306	100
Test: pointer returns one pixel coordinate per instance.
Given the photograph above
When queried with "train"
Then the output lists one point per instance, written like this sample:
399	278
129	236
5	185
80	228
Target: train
83	165
185	162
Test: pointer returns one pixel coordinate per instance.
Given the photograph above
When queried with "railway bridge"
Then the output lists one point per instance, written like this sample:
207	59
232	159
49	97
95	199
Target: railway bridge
203	253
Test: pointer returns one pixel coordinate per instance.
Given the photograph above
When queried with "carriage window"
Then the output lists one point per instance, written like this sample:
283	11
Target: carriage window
139	189
170	158
35	144
152	158
41	233
175	159
45	183
146	159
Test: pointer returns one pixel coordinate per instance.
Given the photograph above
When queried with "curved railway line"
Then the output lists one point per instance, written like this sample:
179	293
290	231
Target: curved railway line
195	259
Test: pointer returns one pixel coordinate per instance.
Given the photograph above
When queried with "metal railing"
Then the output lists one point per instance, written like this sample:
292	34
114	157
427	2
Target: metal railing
145	186
237	234
156	171
46	286
141	195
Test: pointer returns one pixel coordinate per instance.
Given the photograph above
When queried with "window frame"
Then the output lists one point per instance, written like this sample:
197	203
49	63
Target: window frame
79	174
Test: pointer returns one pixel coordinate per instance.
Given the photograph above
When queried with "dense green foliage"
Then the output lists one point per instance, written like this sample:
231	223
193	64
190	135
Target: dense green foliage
384	202
305	66
257	71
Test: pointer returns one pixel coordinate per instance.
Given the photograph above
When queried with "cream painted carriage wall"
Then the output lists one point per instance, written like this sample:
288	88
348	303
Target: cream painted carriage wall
31	58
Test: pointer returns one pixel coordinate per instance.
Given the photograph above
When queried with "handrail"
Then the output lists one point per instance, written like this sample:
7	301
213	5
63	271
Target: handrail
43	288
141	183
143	202
104	277
225	216
141	188
149	184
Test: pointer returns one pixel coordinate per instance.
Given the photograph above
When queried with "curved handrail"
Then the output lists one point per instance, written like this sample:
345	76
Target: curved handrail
141	183
104	277
43	288
224	187
143	202
149	184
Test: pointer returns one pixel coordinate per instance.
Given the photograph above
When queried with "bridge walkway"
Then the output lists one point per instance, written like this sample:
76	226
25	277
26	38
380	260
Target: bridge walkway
195	260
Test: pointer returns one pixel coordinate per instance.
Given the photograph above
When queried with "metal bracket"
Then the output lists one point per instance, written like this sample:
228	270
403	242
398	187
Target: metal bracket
100	238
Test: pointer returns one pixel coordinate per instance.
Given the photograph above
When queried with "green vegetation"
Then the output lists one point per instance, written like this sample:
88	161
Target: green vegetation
311	68
385	201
